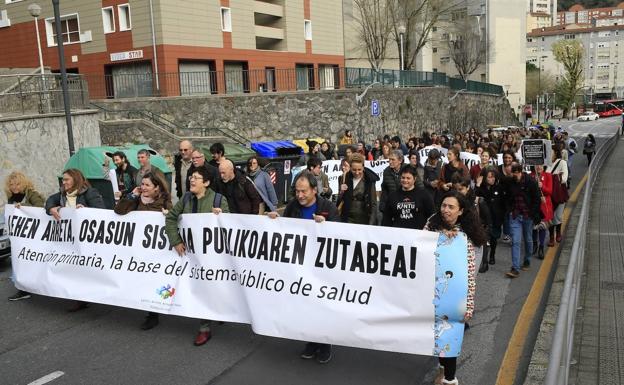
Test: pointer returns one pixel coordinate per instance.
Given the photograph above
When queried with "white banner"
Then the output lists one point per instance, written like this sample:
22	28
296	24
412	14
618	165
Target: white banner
361	286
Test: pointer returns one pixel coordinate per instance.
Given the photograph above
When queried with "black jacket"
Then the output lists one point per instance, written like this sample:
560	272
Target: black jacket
241	194
495	197
391	183
179	178
323	207
370	196
530	190
88	197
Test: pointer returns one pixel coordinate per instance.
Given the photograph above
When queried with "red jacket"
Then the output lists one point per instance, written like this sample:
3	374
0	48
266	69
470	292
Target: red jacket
547	188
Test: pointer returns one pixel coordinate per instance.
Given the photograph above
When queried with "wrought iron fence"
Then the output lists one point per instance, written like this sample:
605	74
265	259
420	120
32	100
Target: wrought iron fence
40	94
304	78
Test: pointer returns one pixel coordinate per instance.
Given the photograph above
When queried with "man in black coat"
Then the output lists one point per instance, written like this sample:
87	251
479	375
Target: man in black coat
182	162
309	205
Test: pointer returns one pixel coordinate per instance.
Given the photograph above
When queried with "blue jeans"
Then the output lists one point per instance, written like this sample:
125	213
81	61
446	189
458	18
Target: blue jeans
520	227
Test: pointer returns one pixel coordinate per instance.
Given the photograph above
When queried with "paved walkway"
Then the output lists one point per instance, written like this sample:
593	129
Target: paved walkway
599	345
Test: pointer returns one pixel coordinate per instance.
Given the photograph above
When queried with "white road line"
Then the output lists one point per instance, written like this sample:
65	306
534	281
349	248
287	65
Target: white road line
47	378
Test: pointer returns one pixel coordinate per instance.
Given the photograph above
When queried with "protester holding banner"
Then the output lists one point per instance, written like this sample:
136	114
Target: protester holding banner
454	166
262	181
559	171
309	205
76	192
153	195
544	181
463	185
410	206
460	231
199	199
494	195
359	195
20	191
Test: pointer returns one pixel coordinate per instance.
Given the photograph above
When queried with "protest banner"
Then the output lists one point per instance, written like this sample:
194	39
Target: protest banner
533	152
354	285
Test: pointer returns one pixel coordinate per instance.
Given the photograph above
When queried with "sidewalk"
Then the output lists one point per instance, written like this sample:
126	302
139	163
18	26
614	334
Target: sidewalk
599	334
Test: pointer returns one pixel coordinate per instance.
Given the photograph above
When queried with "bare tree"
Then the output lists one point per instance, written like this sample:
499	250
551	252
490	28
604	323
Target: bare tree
419	17
467	47
373	19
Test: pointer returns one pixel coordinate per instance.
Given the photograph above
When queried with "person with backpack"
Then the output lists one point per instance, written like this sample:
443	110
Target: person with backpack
199	199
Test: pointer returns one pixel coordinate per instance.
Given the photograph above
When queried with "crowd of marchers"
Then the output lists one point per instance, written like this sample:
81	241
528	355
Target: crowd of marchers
489	202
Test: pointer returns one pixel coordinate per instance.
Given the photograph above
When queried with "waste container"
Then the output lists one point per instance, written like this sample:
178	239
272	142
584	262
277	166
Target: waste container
303	143
89	161
281	157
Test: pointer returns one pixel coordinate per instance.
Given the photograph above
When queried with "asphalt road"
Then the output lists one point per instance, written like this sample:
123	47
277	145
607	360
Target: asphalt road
104	345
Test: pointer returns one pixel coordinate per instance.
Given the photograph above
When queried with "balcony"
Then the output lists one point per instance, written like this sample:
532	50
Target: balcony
269	32
270	9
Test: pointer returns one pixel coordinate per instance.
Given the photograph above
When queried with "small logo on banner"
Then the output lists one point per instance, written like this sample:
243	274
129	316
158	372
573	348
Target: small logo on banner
166	292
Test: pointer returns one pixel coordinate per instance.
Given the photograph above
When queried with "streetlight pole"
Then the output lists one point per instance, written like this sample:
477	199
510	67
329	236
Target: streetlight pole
35	10
61	54
401	30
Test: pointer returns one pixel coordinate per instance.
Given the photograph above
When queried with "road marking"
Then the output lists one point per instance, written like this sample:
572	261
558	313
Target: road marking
47	378
509	367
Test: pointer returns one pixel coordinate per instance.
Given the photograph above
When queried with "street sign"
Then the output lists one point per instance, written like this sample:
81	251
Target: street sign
375	109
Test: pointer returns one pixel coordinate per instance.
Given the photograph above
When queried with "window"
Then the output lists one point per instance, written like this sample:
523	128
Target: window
108	19
4	19
435	49
569	36
226	19
307	29
125	20
70	30
434	29
529	40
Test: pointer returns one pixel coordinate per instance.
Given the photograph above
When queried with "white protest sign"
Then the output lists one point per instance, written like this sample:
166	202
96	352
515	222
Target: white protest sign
362	286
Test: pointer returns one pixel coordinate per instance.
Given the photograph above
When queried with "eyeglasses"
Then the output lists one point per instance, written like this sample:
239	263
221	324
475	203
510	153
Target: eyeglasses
193	177
184	149
197	157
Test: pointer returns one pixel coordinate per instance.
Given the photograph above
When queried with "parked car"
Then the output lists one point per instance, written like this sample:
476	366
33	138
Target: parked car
5	242
586	116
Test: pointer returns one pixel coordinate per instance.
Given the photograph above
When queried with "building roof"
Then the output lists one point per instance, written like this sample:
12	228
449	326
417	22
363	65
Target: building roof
576	8
571	28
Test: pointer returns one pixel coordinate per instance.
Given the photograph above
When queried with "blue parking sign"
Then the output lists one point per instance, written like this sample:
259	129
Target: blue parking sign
375	110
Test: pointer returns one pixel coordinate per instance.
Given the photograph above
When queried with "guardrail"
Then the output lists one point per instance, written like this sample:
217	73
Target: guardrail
563	334
243	81
40	94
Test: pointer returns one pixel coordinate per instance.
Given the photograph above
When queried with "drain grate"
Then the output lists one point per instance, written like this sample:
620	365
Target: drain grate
609	285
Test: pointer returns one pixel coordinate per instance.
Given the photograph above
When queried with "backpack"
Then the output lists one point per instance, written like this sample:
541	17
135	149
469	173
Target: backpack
216	203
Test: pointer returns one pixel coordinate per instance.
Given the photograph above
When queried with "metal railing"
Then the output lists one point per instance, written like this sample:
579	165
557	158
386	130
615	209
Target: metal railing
40	94
244	81
563	334
172	126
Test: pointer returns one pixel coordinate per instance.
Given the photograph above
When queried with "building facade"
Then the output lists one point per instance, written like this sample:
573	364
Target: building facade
604	46
577	14
503	29
195	46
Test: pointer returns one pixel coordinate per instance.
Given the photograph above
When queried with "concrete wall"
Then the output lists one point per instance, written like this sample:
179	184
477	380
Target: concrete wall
37	145
327	114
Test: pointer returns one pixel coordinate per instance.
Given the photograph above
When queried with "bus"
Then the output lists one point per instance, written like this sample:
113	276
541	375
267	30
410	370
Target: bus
609	107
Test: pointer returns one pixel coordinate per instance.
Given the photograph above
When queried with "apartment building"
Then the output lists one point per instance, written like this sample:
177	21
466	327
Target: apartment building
538	20
195	46
604	46
577	14
501	25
